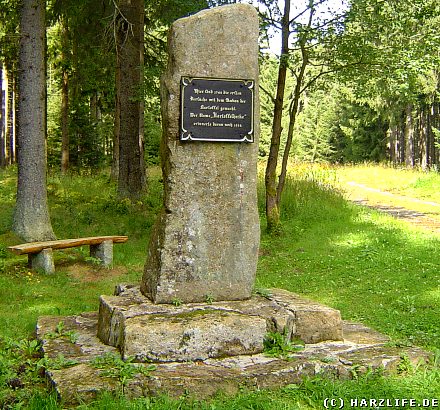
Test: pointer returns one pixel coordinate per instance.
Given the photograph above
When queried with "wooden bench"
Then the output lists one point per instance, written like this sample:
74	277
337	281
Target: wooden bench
40	255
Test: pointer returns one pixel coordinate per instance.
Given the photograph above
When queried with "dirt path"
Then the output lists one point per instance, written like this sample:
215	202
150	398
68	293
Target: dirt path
388	202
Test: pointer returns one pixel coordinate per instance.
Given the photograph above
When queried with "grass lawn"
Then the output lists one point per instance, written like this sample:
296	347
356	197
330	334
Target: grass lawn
409	188
373	268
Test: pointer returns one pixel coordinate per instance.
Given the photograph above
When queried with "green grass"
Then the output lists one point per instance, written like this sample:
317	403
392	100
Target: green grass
411	188
370	266
80	206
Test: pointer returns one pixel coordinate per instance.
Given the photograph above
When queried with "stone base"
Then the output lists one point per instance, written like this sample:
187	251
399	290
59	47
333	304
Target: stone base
103	251
362	350
42	260
198	331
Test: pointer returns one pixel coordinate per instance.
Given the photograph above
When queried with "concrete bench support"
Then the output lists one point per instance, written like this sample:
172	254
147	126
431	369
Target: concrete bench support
42	261
103	252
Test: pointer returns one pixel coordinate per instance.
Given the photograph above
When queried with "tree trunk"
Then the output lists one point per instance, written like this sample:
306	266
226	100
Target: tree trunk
272	206
94	108
10	123
394	140
409	136
131	181
2	133
435	123
402	138
7	116
430	135
74	103
13	140
392	136
390	144
293	112
31	217
65	138
117	124
423	137
142	107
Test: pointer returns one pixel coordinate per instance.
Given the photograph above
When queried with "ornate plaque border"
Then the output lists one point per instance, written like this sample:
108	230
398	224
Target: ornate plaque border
186	135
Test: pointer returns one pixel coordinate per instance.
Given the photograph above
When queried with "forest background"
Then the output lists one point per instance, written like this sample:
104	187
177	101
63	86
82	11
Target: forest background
357	83
351	85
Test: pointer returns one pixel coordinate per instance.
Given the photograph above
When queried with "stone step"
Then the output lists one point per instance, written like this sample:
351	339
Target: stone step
192	336
363	350
198	331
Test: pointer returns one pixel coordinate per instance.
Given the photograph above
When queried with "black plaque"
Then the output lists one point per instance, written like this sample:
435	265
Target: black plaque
217	110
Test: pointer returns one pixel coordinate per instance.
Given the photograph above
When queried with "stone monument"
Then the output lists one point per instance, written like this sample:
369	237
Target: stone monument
194	315
194	299
205	243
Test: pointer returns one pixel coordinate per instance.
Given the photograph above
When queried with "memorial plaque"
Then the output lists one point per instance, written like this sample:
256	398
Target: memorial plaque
217	110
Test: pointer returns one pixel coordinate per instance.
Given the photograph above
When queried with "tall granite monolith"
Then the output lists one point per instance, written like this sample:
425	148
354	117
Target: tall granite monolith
205	243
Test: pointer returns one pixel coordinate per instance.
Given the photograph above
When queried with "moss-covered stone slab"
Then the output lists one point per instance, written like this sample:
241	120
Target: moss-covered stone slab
362	350
313	322
196	335
73	336
81	383
122	318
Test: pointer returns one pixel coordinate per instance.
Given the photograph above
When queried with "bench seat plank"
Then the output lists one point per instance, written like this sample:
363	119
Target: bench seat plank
35	247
